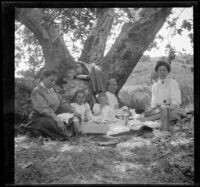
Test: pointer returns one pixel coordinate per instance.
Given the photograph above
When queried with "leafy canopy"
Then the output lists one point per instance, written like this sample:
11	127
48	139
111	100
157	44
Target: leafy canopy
75	24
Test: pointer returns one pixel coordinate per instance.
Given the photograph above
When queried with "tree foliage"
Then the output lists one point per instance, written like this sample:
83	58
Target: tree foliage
171	51
145	58
76	23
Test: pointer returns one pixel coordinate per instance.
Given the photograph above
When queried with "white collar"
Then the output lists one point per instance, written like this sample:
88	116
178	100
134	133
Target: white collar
163	80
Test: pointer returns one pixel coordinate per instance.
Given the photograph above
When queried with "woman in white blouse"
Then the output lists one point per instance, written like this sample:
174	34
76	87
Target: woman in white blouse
165	90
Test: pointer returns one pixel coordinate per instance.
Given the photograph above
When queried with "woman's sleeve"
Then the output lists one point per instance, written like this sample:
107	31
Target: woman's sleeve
40	104
88	112
175	93
154	96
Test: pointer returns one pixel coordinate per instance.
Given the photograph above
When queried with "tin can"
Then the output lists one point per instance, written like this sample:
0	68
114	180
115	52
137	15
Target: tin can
164	117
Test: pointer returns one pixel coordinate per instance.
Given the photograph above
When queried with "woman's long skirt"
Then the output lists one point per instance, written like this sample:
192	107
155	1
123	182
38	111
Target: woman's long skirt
45	126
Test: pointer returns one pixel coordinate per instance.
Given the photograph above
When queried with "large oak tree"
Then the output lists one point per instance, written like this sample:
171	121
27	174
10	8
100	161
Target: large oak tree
135	37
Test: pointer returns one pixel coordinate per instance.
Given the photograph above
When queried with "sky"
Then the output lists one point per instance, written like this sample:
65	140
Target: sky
177	41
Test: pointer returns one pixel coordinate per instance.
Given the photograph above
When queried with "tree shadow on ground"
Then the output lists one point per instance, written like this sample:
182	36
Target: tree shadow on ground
81	161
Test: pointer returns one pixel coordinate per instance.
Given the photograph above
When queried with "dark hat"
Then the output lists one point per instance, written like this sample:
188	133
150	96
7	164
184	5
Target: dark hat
162	63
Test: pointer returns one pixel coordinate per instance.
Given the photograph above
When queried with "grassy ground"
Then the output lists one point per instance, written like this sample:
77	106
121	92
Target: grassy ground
136	161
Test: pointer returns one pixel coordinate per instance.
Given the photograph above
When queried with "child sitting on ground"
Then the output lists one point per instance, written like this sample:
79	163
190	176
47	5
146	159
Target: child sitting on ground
82	112
102	110
81	107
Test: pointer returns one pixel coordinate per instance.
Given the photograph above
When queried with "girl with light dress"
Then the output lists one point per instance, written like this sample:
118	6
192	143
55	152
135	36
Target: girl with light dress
81	107
82	112
102	110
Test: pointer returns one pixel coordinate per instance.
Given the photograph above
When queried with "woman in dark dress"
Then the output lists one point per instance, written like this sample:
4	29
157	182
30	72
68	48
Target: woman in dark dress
47	104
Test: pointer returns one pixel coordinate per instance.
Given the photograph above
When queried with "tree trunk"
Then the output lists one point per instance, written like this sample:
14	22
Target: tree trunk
55	52
95	44
119	62
133	40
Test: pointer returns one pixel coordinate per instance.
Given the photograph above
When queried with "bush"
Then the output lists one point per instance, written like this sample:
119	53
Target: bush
138	99
187	95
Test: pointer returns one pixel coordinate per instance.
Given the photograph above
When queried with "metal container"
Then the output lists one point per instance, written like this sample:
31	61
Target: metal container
77	124
126	118
164	117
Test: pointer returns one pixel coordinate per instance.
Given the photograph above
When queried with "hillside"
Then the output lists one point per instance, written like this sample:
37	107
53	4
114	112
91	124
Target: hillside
141	74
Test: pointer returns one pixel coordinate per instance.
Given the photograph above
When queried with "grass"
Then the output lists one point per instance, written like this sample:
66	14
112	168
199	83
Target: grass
138	99
136	161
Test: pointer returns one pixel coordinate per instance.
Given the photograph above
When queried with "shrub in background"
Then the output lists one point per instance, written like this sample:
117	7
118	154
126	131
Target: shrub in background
138	99
187	94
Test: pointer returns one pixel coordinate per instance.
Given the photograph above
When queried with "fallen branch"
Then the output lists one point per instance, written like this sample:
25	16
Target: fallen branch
168	153
80	175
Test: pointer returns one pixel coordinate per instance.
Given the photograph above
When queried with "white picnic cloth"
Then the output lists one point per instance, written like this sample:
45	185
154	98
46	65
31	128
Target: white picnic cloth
136	124
65	116
105	127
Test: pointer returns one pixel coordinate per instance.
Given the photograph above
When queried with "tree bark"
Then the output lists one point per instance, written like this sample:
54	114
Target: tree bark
119	62
55	52
95	43
133	40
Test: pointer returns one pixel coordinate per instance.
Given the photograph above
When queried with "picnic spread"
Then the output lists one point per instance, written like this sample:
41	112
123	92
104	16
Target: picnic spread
112	132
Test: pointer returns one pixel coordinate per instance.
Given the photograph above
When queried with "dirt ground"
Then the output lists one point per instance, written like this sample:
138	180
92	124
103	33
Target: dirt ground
161	159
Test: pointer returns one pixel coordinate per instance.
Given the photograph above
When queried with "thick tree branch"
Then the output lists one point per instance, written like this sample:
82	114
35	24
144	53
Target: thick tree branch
54	49
133	40
95	44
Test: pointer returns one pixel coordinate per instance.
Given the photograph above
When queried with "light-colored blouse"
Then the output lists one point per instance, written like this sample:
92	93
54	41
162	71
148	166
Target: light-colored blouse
112	100
84	110
105	113
166	92
46	101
